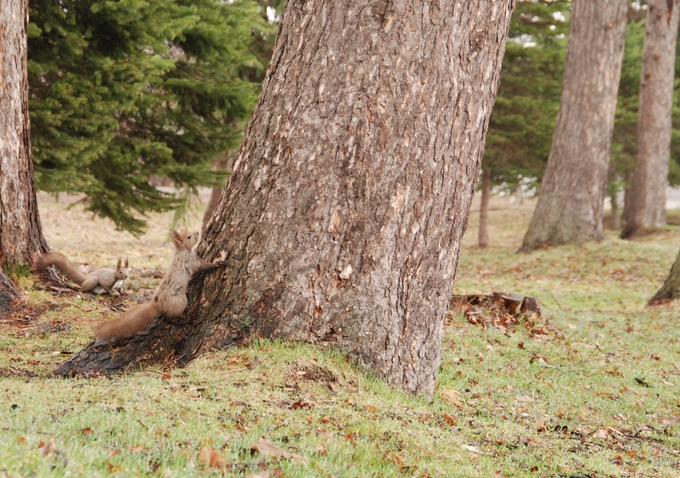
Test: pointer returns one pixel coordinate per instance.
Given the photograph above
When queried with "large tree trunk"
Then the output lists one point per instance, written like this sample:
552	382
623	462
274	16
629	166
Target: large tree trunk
650	178
569	207
342	221
21	238
483	238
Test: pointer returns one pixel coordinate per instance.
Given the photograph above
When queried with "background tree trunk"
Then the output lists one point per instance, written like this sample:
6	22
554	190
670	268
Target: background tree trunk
483	239
342	220
569	207
616	214
650	178
21	238
224	163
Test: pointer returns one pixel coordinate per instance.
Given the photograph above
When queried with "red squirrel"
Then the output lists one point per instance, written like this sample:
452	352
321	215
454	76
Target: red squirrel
170	297
98	281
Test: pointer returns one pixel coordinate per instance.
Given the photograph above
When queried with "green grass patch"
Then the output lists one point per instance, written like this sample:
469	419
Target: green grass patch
594	397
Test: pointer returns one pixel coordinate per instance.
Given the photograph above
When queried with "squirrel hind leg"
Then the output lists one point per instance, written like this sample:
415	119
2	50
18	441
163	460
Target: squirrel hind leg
89	285
173	306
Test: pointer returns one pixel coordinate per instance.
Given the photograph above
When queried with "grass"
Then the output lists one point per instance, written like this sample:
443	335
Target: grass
595	396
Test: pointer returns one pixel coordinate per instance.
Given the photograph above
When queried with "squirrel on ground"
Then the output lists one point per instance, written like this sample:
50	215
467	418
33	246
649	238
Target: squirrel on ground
98	281
170	297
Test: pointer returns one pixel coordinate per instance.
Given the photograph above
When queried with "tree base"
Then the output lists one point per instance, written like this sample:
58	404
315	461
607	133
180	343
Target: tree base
8	295
162	344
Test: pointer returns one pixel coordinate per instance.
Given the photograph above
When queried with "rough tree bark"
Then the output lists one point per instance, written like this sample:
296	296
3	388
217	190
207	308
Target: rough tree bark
483	239
21	238
569	207
342	220
650	178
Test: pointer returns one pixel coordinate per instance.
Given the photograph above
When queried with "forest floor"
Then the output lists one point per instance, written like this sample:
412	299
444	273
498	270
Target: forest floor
589	390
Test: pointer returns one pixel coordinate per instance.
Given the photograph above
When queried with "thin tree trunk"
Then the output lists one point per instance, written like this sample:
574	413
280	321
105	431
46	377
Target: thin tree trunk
216	193
484	209
612	180
627	197
21	239
670	289
569	209
616	218
648	189
342	221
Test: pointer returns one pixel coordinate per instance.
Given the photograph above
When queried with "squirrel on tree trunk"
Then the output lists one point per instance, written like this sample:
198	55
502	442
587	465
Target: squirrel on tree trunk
98	281
170	297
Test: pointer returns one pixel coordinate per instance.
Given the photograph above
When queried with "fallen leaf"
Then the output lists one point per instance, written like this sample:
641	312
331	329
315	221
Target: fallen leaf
470	448
452	397
211	458
266	448
46	449
450	419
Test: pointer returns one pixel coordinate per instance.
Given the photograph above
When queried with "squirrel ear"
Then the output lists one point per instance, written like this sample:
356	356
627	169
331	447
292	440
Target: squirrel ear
119	261
126	262
176	238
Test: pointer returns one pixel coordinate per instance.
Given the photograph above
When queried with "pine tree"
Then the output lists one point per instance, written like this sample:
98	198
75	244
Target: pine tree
520	130
123	90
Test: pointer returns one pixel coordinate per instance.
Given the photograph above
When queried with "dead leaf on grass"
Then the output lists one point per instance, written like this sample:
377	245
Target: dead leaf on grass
266	448
470	448
211	458
264	474
301	405
452	397
50	448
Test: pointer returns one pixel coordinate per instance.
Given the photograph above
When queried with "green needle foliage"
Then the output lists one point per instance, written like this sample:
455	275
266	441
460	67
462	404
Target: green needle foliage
123	90
521	126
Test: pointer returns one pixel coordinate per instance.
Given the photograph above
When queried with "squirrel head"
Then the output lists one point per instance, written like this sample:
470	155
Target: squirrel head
122	273
185	240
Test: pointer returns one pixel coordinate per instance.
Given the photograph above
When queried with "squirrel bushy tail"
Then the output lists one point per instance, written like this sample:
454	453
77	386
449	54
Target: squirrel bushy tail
65	266
130	323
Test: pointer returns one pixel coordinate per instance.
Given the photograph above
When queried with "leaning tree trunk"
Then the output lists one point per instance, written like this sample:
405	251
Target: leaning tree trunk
650	178
483	238
670	290
21	238
342	221
569	207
